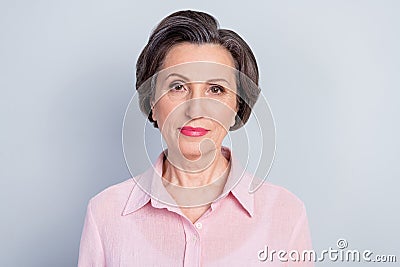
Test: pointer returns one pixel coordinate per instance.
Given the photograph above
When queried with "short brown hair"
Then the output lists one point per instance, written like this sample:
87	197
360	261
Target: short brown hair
198	28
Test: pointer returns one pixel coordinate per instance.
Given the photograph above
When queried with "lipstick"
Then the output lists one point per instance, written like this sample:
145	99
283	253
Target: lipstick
193	131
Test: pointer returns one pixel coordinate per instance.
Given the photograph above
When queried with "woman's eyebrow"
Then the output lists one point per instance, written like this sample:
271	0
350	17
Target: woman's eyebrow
178	75
216	80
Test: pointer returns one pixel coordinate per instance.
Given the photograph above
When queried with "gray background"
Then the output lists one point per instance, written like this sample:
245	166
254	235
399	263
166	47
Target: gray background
330	70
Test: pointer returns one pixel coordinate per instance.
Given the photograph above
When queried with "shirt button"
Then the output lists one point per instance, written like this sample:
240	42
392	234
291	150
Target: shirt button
199	225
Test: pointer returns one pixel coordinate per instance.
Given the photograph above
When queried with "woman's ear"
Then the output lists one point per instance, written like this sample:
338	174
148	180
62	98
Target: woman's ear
153	113
233	120
238	101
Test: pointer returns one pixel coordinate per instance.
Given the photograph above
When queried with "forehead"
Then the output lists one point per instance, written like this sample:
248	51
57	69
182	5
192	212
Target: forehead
188	52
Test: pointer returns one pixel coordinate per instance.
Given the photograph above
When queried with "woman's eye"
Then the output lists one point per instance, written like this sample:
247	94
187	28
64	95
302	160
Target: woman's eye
177	87
217	89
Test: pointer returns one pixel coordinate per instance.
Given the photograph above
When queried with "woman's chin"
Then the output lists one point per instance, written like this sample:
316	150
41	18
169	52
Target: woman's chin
194	151
190	152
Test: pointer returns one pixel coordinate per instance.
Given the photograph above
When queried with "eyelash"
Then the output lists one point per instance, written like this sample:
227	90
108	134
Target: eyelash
174	87
219	87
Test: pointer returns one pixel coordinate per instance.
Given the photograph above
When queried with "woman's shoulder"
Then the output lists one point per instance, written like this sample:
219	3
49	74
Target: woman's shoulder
270	194
114	195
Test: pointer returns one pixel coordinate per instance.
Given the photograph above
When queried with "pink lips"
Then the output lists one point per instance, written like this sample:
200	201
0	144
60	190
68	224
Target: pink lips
193	131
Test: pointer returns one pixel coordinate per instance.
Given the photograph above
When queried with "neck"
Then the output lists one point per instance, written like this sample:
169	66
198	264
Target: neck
194	176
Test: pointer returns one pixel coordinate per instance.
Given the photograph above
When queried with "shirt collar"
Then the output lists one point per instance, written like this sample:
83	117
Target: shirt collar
148	187
238	183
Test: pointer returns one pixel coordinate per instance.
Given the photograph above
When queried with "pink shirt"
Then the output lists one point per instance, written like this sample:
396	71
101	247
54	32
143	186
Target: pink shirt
125	226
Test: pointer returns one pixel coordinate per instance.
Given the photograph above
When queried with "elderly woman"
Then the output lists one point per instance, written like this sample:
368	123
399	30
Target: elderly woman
195	83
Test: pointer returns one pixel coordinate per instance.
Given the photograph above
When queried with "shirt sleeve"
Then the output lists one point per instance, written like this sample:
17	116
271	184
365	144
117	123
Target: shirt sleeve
91	249
300	241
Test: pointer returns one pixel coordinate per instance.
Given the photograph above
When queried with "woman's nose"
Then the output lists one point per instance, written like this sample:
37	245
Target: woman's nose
196	103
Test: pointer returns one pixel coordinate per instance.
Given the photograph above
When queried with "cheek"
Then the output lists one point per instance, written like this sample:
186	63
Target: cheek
163	111
233	103
160	113
228	113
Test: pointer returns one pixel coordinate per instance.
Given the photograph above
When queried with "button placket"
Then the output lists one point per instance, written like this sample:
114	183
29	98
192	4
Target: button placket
192	248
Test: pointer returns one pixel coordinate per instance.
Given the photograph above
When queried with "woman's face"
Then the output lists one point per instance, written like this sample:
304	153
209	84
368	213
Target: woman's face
195	100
